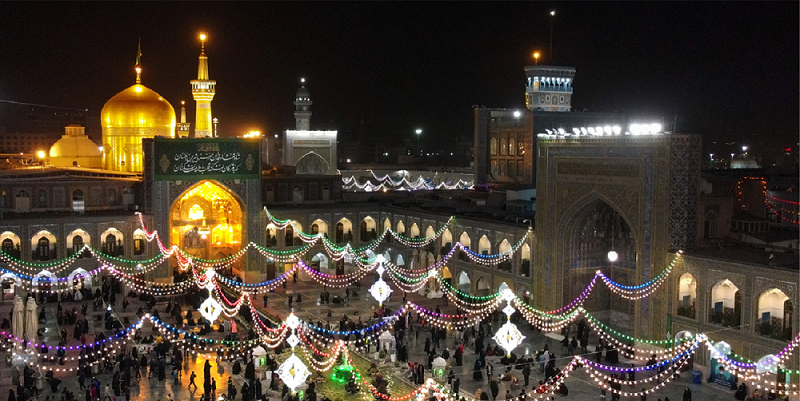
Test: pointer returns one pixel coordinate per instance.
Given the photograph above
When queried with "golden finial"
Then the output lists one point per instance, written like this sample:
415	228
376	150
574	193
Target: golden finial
137	67
202	43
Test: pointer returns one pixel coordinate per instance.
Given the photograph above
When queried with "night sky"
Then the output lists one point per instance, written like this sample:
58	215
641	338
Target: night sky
728	70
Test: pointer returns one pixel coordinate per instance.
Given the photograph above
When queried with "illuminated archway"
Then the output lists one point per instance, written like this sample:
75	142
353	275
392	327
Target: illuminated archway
726	304
430	232
447	238
464	283
319	261
319	226
414	231
774	317
687	293
206	221
484	246
401	228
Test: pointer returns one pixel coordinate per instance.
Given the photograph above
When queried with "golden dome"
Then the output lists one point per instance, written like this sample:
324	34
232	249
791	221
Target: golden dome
75	149
75	146
138	107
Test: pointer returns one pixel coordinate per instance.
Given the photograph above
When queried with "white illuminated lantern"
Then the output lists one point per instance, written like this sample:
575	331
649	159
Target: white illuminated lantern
210	274
380	290
612	256
210	309
508	337
293	372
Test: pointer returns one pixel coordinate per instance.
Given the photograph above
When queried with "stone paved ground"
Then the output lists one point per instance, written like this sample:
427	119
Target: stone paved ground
580	385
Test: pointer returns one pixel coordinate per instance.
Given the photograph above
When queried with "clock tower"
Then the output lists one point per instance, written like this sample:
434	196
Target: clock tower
302	111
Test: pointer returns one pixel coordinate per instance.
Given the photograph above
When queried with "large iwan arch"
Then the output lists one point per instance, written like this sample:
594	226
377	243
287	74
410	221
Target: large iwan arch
207	221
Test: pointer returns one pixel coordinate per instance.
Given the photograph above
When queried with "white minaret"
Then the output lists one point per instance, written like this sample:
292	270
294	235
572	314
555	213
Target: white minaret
302	111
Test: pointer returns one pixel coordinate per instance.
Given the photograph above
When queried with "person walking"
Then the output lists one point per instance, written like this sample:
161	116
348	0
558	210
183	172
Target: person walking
526	371
495	388
191	381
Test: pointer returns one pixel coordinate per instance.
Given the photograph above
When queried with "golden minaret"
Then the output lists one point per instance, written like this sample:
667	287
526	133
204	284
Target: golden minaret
203	90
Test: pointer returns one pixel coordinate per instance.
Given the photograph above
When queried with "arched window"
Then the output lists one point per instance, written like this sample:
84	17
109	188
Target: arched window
493	146
687	293
512	146
339	232
525	267
110	244
520	169
112	197
297	195
775	313
138	242
314	229
77	244
43	248
272	235
503	168
484	246
289	237
505	266
42	201
493	168
503	148
77	201
726	304
8	246
512	168
3	199
414	231
521	148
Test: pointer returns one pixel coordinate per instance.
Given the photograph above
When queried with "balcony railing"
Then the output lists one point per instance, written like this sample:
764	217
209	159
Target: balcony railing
774	329
686	310
728	317
525	268
44	256
551	88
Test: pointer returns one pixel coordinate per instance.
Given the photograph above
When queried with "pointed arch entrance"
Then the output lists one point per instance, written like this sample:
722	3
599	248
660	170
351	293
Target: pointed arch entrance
594	230
206	221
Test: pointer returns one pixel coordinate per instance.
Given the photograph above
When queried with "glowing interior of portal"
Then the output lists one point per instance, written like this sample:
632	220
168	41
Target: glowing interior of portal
206	221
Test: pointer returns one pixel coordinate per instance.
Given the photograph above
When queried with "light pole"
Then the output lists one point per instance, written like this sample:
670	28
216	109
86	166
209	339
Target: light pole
419	133
552	18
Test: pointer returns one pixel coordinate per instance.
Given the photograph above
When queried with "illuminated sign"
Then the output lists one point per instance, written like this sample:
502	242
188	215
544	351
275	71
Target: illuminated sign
311	142
206	158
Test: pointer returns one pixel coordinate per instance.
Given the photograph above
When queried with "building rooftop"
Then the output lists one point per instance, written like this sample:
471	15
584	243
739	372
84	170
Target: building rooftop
50	173
748	255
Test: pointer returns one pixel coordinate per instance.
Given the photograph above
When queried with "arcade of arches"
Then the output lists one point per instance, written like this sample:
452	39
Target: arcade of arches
207	221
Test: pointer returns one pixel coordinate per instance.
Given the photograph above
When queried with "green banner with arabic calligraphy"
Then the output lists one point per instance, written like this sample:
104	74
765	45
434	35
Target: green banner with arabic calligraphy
206	158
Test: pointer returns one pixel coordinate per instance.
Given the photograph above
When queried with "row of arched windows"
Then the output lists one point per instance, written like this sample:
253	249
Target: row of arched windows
508	147
43	243
774	313
42	198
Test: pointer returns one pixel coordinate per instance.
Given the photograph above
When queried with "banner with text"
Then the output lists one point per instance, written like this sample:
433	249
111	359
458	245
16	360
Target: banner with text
209	158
